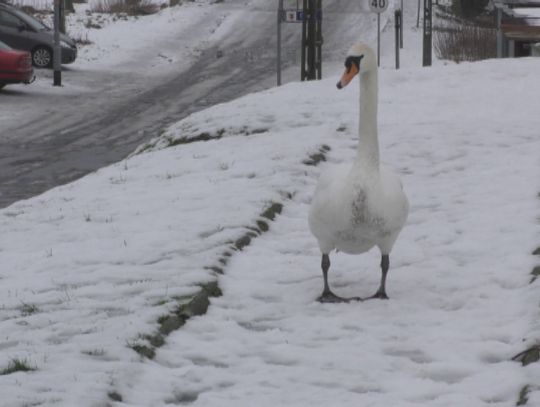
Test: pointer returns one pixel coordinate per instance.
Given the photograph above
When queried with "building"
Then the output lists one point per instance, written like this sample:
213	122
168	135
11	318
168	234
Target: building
518	28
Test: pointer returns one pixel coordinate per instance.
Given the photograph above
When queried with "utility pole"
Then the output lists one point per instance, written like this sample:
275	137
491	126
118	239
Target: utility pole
401	26
427	42
398	24
499	31
279	20
311	40
57	56
418	16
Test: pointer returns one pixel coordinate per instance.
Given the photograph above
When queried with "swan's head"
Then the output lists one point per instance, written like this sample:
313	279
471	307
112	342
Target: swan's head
360	59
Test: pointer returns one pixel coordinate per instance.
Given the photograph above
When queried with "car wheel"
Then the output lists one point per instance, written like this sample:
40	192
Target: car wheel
42	57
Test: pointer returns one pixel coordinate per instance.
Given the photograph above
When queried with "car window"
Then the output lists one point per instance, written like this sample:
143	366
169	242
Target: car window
4	47
31	21
9	20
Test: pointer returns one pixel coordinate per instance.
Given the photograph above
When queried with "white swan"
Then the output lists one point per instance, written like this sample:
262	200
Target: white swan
359	206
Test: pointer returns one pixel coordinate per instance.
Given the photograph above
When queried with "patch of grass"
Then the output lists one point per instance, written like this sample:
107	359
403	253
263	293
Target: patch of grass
274	209
315	158
263	226
212	288
187	140
115	396
215	269
17	365
28	309
535	274
528	356
523	399
256	131
144	351
170	323
157	340
184	398
98	353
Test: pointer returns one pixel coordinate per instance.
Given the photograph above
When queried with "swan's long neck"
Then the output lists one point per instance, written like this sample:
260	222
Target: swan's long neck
368	146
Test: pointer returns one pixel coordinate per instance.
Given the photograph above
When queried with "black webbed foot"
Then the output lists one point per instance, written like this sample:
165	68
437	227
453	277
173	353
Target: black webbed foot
380	295
330	297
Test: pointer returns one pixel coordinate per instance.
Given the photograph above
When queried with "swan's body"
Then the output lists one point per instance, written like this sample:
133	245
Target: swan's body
360	205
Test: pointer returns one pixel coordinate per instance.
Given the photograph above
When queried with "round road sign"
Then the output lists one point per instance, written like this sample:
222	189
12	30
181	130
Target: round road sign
378	6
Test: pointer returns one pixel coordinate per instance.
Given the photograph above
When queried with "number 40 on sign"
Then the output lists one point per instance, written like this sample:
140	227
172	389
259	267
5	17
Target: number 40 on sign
378	6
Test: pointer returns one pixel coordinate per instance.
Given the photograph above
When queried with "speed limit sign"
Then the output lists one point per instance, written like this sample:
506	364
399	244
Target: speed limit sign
378	6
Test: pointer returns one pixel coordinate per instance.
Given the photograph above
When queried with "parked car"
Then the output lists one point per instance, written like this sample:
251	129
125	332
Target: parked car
25	32
15	66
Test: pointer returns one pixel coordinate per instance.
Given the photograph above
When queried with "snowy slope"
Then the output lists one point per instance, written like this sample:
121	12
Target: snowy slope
461	306
88	268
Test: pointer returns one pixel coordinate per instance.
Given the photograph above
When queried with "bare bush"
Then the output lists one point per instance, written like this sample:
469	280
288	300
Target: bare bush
129	7
81	39
31	7
460	40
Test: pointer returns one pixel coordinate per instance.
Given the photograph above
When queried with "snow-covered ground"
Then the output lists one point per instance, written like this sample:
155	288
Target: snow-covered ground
87	269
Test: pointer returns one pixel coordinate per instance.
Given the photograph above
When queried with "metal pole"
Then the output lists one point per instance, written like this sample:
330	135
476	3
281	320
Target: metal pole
499	34
57	57
279	18
304	32
311	40
428	7
319	39
397	18
418	16
401	27
378	39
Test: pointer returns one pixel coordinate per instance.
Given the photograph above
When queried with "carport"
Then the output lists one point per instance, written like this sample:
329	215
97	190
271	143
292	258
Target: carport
518	28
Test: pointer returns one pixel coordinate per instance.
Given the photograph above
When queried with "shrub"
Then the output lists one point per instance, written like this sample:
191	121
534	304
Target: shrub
129	7
16	365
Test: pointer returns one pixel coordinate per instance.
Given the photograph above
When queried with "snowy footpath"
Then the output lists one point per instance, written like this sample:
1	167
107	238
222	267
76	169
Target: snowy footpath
87	269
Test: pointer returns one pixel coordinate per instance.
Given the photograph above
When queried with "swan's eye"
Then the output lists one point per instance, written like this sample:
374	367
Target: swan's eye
353	60
348	64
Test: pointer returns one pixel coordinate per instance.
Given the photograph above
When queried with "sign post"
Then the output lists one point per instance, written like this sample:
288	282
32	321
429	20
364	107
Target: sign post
279	19
310	15
398	25
378	6
311	40
428	7
57	61
401	26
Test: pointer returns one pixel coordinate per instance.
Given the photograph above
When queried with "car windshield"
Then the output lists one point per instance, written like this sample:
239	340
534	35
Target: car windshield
4	47
33	22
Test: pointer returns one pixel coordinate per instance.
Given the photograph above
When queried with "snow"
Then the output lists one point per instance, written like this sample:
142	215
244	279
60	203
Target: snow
88	268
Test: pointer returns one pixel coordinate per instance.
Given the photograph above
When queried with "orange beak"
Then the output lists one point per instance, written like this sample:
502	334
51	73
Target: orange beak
347	76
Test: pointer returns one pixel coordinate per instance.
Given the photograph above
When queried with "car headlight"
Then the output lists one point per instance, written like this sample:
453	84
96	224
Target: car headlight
64	44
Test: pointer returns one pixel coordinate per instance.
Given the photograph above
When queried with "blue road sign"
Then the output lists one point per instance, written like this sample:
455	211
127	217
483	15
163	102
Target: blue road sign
297	16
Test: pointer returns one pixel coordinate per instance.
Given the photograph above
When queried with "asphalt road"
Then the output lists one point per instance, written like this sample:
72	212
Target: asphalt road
60	151
77	135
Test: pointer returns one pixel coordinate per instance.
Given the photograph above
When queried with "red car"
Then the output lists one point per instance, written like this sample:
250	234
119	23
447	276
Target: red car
15	66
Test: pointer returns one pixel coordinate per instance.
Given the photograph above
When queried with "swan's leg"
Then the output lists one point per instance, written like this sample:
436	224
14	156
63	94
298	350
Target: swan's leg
327	294
385	265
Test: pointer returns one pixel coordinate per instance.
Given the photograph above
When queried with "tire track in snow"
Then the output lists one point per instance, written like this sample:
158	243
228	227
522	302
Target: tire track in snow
198	304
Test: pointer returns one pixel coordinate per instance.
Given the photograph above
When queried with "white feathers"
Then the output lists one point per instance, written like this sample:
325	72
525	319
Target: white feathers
360	205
